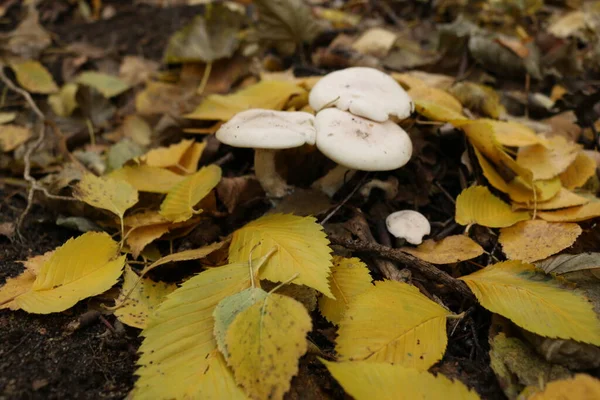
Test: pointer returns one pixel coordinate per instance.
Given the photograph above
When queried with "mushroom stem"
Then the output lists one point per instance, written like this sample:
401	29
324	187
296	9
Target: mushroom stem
266	174
331	182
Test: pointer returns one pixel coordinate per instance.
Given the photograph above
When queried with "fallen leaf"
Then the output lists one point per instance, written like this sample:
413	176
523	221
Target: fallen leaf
537	239
436	104
145	178
572	214
183	197
165	98
121	152
12	136
514	134
165	157
135	70
264	343
286	21
108	85
302	248
477	205
137	239
207	38
564	263
188	163
34	77
480	98
376	42
535	301
490	173
142	301
238	190
349	278
64	102
14	287
393	322
137	129
451	249
366	380
563	199
579	172
580	387
271	95
547	162
82	267
6	117
29	38
179	352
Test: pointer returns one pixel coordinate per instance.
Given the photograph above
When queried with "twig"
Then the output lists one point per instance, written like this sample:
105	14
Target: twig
425	268
346	199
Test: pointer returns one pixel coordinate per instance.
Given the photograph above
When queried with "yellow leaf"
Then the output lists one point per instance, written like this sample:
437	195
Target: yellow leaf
302	248
579	387
563	199
490	173
182	198
34	77
189	161
186	255
14	287
179	347
229	308
382	381
573	214
265	342
451	249
146	178
521	191
479	98
80	268
535	301
349	278
436	104
548	162
12	136
393	322
64	102
513	134
476	205
137	239
536	239
109	194
108	85
146	296
271	95
164	157
579	172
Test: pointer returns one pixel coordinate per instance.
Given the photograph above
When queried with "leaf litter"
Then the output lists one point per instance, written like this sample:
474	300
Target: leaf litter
501	180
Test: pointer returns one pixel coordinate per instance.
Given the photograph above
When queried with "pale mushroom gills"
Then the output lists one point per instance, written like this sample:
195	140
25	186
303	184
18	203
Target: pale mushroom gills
409	225
268	131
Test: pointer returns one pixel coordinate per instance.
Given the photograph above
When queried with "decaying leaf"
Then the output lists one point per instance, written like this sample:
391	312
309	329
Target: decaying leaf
477	205
264	343
286	21
479	98
182	198
80	268
393	322
537	239
365	380
142	301
302	248
451	249
565	263
265	94
535	301
34	77
349	278
179	352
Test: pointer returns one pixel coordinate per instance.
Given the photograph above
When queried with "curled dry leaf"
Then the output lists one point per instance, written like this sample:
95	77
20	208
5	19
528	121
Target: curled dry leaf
436	104
535	301
393	322
546	162
537	239
573	214
451	249
579	172
477	205
563	199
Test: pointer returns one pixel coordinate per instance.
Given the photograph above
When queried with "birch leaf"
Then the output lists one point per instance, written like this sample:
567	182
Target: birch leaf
146	296
265	342
573	214
393	322
548	161
436	104
579	172
109	194
34	77
12	136
451	249
579	387
477	205
82	267
349	278
302	248
108	85
146	178
563	199
535	301
365	381
179	348
182	198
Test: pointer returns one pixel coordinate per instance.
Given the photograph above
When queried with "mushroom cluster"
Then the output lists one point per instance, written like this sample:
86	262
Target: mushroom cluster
352	127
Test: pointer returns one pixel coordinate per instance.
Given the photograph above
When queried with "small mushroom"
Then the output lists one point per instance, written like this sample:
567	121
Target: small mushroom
357	143
268	131
409	225
366	92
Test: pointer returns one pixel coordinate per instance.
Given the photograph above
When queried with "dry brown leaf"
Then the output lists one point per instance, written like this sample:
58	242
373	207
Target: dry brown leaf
537	239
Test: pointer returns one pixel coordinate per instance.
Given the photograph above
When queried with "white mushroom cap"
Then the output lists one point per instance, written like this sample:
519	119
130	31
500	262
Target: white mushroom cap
366	92
362	144
268	129
409	225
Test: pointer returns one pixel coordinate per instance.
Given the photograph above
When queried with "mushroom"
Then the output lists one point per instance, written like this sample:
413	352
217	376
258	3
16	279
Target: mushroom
366	92
357	143
409	225
268	131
